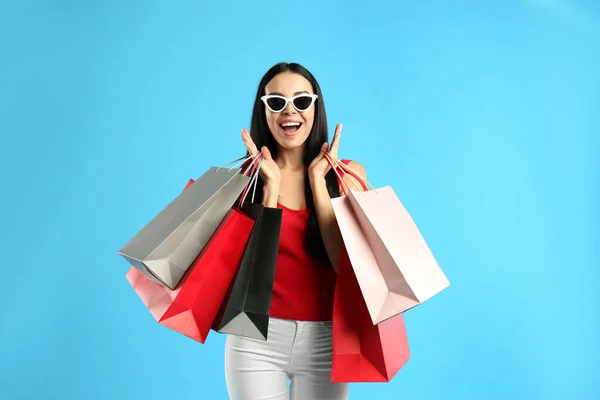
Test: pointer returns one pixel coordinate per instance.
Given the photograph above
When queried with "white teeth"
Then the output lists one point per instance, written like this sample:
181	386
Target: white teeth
291	124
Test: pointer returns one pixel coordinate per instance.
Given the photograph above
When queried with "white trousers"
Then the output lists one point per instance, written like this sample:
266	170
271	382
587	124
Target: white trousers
296	350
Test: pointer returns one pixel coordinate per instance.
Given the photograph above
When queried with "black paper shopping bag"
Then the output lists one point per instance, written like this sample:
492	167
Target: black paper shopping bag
245	311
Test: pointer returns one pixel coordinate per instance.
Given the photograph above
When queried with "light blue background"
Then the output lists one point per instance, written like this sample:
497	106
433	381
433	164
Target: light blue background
483	115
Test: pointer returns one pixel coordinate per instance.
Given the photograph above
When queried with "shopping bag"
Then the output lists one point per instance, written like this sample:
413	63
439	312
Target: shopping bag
394	267
192	306
362	351
245	311
166	247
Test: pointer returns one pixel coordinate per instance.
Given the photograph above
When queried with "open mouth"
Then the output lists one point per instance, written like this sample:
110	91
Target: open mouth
290	128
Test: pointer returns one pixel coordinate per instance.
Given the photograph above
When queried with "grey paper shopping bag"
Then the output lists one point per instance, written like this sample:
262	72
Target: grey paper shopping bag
166	247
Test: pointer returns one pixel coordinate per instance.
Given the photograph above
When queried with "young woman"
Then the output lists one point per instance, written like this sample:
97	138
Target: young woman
289	126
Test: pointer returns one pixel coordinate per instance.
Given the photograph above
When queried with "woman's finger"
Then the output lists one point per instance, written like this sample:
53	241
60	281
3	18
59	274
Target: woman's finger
324	148
323	155
266	153
335	143
249	142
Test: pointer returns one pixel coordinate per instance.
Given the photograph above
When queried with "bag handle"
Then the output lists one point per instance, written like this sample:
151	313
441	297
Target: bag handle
335	165
364	183
239	163
254	174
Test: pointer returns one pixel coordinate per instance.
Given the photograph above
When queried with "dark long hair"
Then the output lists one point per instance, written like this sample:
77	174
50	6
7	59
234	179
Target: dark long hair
262	136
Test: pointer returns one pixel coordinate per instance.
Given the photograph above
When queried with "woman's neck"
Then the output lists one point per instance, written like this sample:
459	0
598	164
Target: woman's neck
292	159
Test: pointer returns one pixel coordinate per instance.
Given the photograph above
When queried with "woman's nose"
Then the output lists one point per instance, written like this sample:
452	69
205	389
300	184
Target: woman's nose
289	109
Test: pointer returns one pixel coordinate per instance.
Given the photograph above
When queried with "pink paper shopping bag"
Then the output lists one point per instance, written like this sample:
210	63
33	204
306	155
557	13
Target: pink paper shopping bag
394	267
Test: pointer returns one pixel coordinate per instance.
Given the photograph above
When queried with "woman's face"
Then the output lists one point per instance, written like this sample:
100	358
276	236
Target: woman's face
290	127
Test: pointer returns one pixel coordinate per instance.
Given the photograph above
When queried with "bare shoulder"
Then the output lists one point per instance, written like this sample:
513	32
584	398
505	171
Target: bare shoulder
358	169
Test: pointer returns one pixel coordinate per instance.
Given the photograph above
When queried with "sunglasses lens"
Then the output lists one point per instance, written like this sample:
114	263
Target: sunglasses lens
303	102
275	103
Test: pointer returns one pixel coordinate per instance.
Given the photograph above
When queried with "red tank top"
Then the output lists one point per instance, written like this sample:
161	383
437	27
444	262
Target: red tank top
304	288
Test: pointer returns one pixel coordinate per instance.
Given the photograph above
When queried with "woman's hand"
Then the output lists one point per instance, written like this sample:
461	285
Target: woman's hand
319	167
269	170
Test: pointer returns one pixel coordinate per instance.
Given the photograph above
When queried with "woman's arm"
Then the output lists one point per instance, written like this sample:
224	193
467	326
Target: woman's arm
332	237
270	195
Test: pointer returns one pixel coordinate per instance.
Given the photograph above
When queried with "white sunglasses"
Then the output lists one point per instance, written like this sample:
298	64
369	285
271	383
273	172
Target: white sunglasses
277	103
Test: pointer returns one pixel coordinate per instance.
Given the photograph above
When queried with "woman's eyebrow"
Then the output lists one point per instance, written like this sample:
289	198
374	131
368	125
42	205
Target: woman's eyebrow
281	94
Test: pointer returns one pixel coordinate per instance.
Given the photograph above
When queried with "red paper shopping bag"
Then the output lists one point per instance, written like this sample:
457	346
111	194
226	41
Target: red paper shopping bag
191	308
363	351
